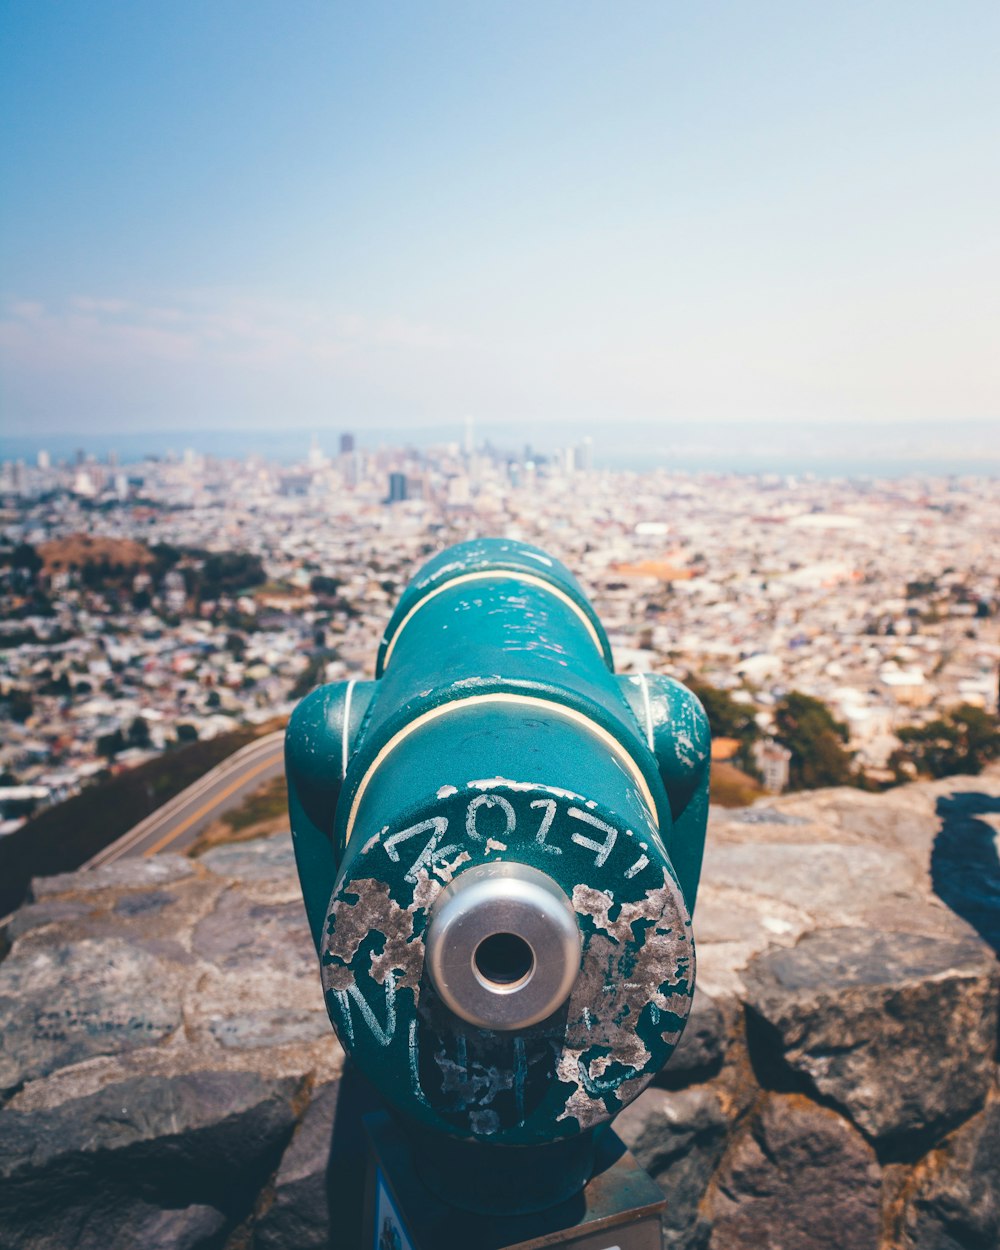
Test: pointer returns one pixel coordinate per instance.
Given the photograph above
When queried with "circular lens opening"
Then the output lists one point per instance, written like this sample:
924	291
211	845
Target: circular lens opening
503	961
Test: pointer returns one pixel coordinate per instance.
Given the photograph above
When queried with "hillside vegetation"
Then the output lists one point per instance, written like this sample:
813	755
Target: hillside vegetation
63	837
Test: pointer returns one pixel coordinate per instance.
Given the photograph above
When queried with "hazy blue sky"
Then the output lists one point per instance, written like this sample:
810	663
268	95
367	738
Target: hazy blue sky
221	213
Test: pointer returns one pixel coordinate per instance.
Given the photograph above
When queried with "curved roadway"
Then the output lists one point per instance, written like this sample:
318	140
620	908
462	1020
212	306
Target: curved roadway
176	824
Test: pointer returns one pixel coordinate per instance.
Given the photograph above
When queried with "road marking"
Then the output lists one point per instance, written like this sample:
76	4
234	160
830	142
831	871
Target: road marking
207	807
135	835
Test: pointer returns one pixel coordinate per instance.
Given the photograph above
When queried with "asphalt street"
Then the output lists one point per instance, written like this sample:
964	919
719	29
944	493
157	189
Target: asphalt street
178	823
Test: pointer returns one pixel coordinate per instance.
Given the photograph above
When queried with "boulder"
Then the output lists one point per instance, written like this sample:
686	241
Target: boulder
159	1026
896	1030
796	1177
49	911
112	1221
313	1202
703	1043
954	1199
184	1155
678	1137
295	1210
128	874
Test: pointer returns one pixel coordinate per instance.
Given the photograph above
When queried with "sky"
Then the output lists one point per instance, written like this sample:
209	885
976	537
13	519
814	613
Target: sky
245	215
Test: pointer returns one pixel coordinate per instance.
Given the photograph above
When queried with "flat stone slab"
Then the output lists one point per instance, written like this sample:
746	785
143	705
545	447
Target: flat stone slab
128	874
65	1004
260	859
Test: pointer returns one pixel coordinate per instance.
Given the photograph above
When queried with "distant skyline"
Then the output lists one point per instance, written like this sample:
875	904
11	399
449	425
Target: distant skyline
331	216
845	449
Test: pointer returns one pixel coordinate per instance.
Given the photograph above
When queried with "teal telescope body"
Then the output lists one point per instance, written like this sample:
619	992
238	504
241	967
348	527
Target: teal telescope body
499	843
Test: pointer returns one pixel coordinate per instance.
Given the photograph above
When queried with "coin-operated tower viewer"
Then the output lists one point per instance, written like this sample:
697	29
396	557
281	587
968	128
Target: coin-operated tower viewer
499	844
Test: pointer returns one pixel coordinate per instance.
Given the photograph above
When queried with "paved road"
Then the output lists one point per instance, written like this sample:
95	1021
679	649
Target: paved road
176	825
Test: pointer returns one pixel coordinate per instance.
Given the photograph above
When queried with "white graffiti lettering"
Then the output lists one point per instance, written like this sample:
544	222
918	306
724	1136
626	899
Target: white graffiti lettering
383	1034
638	866
548	815
604	848
438	823
488	801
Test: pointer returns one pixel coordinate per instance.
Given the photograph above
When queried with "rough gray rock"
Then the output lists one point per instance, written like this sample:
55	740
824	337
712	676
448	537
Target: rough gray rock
60	1005
123	874
678	1137
314	1200
296	1210
261	859
797	1177
191	987
827	878
703	1042
261	983
36	915
954	1200
897	1030
112	1221
156	1228
158	1021
206	1141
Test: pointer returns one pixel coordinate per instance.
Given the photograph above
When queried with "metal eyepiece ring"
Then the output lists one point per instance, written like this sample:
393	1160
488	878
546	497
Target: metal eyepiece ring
503	946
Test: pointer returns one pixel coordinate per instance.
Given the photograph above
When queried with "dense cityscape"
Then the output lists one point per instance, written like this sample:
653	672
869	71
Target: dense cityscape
171	599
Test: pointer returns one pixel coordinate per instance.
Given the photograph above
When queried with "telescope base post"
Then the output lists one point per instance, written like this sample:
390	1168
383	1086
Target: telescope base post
619	1208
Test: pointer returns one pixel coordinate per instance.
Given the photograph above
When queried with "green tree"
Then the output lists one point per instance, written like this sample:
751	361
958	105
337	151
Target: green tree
57	685
164	558
236	644
311	676
228	572
110	744
26	558
805	726
322	585
726	717
963	739
19	704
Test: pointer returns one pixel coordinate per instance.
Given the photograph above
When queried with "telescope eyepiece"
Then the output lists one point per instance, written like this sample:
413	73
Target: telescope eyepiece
503	946
503	962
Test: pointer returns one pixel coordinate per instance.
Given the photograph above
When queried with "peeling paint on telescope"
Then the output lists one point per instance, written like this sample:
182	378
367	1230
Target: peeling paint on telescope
499	844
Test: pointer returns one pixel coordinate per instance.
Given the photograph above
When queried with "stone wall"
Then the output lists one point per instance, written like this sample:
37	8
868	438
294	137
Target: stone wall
169	1078
839	1084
